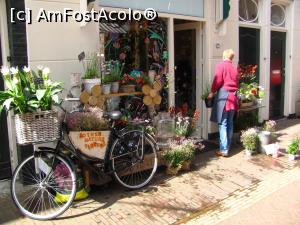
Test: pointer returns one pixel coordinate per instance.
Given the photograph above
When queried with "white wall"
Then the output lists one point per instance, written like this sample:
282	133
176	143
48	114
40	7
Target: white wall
226	35
57	45
295	58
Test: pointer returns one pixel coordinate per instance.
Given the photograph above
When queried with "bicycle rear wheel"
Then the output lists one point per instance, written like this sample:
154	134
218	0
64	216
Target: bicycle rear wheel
134	159
39	184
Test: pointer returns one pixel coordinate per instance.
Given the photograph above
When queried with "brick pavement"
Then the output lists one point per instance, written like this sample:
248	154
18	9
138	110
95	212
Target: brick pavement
169	199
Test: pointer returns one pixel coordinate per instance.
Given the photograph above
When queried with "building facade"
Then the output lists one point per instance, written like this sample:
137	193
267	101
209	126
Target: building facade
261	32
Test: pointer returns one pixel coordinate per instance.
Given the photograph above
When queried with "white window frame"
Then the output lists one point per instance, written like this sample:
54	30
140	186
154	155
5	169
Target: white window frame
258	15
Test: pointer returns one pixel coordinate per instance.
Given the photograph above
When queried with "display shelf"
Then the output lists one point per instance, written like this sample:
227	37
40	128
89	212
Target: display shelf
251	108
123	94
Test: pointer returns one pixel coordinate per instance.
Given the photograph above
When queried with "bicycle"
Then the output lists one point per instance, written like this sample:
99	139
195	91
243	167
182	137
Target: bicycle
50	171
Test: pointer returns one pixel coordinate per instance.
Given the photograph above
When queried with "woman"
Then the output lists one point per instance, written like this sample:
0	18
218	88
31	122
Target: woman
226	102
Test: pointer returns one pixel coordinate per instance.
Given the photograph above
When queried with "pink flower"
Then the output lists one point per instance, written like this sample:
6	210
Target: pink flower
122	56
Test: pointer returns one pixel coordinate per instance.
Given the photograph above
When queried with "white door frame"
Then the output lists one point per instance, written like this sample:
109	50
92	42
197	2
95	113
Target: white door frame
198	27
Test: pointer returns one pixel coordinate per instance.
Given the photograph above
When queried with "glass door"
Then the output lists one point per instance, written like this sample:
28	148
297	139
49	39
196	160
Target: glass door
5	170
277	74
185	64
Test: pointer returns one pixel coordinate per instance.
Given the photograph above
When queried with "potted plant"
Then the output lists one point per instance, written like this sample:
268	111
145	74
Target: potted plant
116	70
89	132
293	149
128	83
245	94
208	102
249	139
91	75
30	96
106	84
174	159
266	134
189	153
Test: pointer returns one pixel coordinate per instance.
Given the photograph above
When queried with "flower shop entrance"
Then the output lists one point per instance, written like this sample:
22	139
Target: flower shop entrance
188	64
5	170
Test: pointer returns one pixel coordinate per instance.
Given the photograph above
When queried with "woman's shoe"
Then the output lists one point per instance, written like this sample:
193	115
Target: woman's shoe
221	154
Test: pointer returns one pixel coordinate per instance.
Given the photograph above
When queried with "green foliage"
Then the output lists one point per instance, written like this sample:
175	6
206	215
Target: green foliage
182	126
116	71
92	68
28	91
106	79
179	153
206	92
293	146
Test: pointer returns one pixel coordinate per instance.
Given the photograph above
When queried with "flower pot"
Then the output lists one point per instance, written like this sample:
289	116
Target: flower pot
172	171
115	87
292	157
89	83
209	102
128	88
106	89
186	165
258	101
248	152
264	137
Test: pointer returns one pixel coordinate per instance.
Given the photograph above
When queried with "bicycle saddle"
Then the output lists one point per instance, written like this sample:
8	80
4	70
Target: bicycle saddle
114	115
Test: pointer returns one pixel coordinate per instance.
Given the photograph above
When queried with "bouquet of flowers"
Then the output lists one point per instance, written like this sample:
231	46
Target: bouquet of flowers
247	73
28	91
249	139
269	126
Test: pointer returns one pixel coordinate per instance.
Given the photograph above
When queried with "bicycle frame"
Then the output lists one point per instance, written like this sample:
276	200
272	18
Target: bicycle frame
99	166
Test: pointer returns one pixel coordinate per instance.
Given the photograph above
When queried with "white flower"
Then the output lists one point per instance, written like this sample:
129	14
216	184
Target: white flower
26	69
48	82
46	71
40	67
4	70
15	80
14	70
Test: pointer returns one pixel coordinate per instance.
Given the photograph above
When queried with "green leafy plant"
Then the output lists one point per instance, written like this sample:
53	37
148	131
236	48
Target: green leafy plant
116	71
180	152
248	92
206	92
92	68
107	79
293	147
174	158
249	139
28	91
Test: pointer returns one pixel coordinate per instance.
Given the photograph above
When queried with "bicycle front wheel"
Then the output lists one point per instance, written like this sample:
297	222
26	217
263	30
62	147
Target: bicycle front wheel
134	159
43	186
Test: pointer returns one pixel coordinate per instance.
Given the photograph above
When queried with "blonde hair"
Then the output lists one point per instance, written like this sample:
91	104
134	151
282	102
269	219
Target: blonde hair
228	54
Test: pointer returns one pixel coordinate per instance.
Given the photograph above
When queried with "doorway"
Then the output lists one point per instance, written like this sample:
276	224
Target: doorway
277	74
185	66
5	168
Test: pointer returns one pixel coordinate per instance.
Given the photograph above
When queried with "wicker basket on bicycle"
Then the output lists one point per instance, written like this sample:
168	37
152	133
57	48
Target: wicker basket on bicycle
37	127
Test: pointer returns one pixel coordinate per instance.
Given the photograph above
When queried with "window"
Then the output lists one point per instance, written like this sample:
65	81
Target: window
277	15
248	11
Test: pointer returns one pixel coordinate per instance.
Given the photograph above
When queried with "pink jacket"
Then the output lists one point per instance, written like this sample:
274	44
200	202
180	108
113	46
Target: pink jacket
226	76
